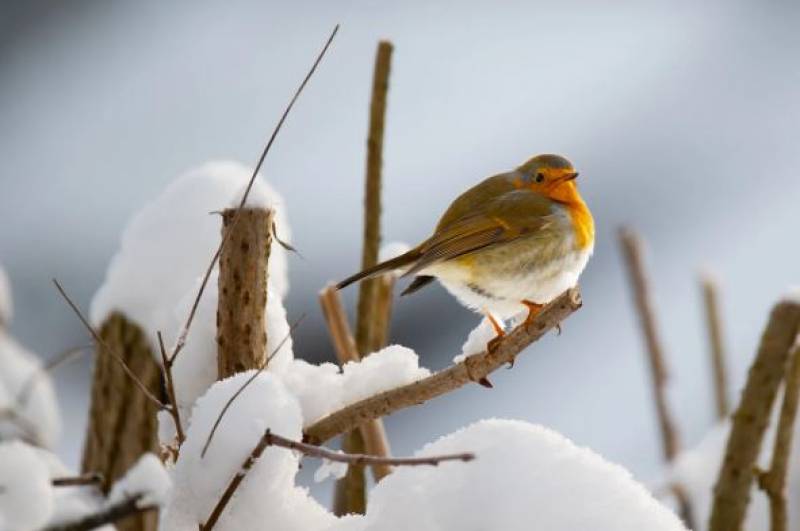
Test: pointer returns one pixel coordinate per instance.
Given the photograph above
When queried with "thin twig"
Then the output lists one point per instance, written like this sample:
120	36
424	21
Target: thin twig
373	432
29	432
773	481
632	250
239	391
475	368
185	331
714	324
271	439
174	410
108	515
93	478
751	418
106	347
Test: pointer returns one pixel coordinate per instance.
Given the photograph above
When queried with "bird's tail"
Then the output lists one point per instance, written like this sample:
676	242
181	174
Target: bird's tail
398	262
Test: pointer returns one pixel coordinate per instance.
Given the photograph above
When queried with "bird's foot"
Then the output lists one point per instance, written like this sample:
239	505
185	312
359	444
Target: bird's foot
533	311
493	343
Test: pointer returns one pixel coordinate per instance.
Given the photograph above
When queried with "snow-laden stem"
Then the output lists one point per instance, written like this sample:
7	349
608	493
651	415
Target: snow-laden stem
750	420
472	369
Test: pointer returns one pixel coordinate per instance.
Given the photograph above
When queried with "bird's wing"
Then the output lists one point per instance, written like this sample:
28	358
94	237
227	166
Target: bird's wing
500	219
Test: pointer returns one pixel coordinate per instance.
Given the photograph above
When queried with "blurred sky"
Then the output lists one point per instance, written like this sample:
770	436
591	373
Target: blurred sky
683	119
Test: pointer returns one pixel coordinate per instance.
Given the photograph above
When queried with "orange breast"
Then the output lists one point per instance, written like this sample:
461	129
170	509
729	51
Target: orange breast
582	224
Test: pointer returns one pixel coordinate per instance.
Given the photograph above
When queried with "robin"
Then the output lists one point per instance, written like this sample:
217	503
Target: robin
513	242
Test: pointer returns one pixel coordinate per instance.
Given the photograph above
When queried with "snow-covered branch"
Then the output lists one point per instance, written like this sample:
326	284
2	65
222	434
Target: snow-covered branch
474	368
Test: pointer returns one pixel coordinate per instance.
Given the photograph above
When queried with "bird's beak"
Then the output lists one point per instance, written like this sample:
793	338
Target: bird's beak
570	176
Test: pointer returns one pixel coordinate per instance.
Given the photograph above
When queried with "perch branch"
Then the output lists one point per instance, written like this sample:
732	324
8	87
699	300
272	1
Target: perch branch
271	439
714	323
100	341
373	432
109	515
185	330
750	420
773	481
473	369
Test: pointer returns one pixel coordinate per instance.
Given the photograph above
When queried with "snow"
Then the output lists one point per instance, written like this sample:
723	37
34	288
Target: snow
268	497
792	295
146	477
28	393
6	306
697	470
524	477
167	246
26	493
323	389
329	468
477	340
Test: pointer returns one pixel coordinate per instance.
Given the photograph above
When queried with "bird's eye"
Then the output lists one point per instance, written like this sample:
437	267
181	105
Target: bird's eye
539	177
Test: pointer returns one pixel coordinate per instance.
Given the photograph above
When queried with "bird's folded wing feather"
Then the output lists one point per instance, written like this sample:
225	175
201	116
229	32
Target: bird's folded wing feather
499	220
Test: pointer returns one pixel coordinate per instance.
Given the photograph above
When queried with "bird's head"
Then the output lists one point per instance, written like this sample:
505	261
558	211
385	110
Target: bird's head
550	175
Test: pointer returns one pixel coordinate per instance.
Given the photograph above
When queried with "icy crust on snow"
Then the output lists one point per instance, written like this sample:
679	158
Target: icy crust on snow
697	470
167	246
323	389
24	390
26	494
268	497
524	477
146	478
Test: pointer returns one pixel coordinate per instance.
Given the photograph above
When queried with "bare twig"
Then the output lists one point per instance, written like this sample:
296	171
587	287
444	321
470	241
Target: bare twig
108	515
773	481
239	391
100	341
474	368
375	441
632	250
29	432
92	478
750	420
174	410
185	331
271	439
714	323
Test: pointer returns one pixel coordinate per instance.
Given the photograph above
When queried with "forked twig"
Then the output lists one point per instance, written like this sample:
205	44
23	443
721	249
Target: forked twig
271	439
174	410
102	342
185	330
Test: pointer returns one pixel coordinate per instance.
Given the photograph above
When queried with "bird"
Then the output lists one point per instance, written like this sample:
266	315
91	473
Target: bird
514	241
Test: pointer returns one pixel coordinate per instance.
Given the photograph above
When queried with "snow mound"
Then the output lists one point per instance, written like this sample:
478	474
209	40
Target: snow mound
524	477
477	340
267	498
26	494
27	392
147	478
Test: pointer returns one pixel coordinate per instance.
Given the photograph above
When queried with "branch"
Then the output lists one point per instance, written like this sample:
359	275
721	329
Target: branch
750	420
109	515
773	482
375	440
711	303
472	369
106	347
185	331
270	439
